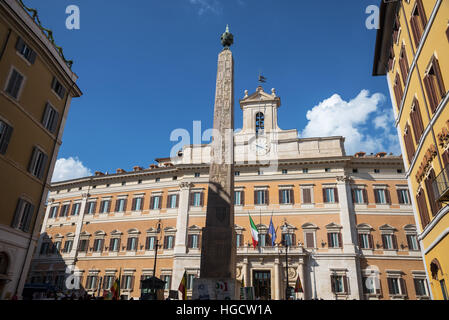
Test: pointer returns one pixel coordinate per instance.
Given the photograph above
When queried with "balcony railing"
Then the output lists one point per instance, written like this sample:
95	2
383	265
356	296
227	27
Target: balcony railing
441	185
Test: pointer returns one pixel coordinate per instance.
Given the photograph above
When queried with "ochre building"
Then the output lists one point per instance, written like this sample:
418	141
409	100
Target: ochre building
412	51
36	89
348	219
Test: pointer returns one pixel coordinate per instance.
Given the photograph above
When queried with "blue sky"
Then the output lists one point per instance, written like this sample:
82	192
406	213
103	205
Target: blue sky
149	67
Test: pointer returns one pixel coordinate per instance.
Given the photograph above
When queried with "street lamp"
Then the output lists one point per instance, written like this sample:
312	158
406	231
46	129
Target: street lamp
286	244
156	246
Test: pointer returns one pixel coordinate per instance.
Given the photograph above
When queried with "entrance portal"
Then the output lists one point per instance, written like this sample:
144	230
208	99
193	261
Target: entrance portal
262	285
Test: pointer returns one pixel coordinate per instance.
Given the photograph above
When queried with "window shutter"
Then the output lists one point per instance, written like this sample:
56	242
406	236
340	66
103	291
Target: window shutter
293	239
20	44
55	121
439	79
422	208
371	241
434	204
123	283
376	196
387	196
256	200
152	203
281	198
191	199
346	284
117	205
111	244
134	204
330	243
159	206
395	241
128	245
169	197
422	13
4	143
189	241
361	242
445	157
310	240
431	95
403	286
132	282
86	208
33	160
336	195
125	205
101	206
29	215
202	199
340	242
43	166
143	203
324	195
365	196
242	197
165	242
267	197
307	196
16	219
400	198
384	242
353	195
333	283
292	196
390	286
415	30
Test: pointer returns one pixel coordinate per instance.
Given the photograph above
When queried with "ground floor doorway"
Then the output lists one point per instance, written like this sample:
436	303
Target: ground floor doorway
262	284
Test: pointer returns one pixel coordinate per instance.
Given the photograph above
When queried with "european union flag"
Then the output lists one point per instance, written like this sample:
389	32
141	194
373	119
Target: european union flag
272	232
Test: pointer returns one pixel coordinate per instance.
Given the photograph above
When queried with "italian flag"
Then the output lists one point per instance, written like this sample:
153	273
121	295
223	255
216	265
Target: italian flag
183	286
254	232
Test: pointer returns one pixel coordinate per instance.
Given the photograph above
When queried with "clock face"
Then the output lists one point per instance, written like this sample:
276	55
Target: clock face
260	146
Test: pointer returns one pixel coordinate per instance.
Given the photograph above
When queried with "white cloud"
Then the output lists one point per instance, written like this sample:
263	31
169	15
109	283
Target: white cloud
71	168
361	121
207	5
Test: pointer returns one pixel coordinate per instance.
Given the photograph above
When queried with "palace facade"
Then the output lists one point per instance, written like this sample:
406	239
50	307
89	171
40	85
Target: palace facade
411	50
36	89
348	219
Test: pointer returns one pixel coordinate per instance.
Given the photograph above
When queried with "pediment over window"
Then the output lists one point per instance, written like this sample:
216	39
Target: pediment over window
152	230
70	235
309	225
85	234
365	226
133	231
58	235
170	229
410	227
239	228
195	228
116	232
387	227
100	233
262	227
333	225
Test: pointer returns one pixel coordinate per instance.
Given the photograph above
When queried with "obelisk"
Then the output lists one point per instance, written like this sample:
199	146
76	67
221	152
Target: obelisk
218	249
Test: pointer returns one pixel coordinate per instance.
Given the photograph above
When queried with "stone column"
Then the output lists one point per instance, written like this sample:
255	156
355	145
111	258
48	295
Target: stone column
44	227
79	225
347	217
183	219
277	280
301	270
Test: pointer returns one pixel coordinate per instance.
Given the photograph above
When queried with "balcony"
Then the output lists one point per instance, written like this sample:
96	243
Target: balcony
441	185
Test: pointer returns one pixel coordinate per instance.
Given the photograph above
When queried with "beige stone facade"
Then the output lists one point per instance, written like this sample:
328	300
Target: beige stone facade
349	219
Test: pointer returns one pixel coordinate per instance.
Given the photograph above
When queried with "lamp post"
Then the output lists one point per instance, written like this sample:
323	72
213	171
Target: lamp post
156	246
286	244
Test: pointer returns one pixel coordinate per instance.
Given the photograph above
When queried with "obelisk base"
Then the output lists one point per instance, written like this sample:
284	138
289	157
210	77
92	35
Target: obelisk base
215	289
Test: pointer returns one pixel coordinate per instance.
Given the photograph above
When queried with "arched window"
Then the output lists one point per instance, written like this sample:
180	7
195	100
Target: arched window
4	262
260	123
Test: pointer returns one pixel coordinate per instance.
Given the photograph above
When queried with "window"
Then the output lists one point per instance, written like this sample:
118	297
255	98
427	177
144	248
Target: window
23	215
76	209
127	282
105	206
398	92
409	146
172	202
137	204
196	199
38	163
330	195
382	196
284	171
5	136
310	240
44	248
339	284
444	289
399	171
175	178
64	210
237	173
418	22
28	53
57	247
68	245
58	88
371	285
14	84
120	205
289	239
167	279
50	118
98	245
91	282
190	278
365	241
132	244
108	282
420	287
403	196
53	212
193	241
307	195
239	197
359	196
433	82
403	65
416	119
169	242
260	123
114	245
197	174
286	197
156	203
239	241
422	208
412	242
334	240
83	245
376	171
355	170
90	207
396	286
327	170
435	205
158	179
124	183
389	242
261	197
150	243
305	170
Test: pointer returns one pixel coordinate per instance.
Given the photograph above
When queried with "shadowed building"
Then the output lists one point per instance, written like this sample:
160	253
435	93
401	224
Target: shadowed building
412	51
36	88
